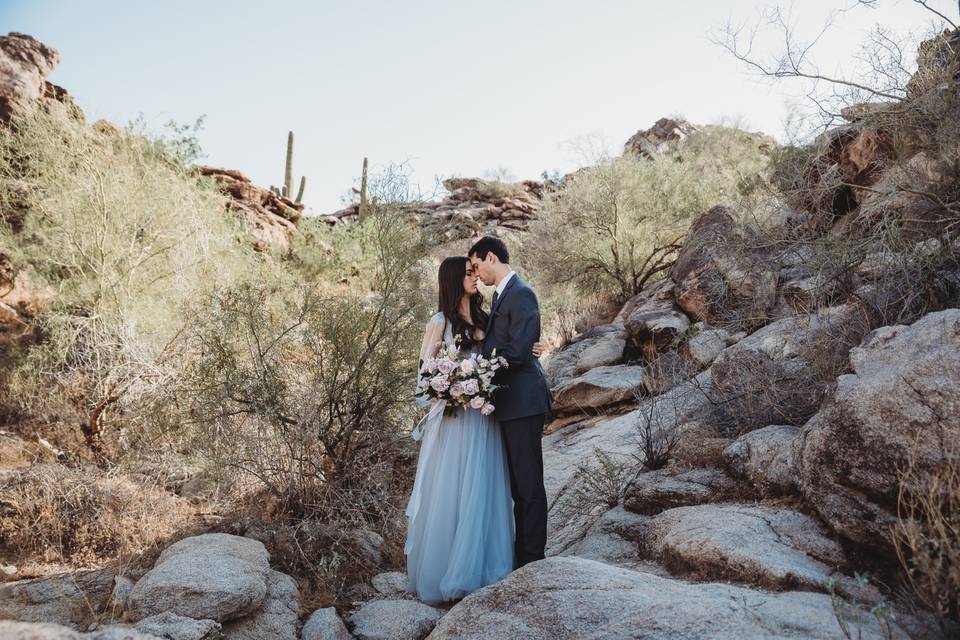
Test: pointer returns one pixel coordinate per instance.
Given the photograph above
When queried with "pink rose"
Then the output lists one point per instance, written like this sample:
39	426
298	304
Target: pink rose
430	365
440	383
487	409
456	389
447	366
467	367
471	387
477	403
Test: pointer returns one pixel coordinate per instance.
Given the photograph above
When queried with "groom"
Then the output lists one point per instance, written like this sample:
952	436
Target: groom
524	399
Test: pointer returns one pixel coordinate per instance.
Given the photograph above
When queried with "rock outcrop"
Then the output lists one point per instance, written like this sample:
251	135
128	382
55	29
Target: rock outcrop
68	599
269	218
656	491
25	63
213	576
721	274
598	387
773	548
652	142
473	208
900	404
568	598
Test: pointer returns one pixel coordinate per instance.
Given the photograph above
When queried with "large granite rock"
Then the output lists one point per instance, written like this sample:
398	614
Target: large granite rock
73	599
614	538
900	404
773	548
597	387
213	576
393	620
25	64
765	458
655	491
390	583
703	347
10	630
570	447
655	325
779	374
567	598
325	624
720	275
601	346
278	617
170	626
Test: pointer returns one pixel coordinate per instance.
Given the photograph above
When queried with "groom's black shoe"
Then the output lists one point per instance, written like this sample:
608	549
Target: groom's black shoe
522	438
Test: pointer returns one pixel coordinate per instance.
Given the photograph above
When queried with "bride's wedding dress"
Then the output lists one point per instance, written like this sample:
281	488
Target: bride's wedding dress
460	514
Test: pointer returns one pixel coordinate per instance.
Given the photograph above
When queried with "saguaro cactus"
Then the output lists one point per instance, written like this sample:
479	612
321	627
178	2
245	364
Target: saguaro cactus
363	192
287	190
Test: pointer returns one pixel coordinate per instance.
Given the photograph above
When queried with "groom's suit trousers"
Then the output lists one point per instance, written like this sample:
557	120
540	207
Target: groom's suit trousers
522	438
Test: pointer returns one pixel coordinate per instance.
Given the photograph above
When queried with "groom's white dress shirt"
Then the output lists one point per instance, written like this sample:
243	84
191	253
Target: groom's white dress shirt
503	283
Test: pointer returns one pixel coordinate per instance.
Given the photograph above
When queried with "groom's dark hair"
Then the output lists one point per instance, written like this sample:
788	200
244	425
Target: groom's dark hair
489	244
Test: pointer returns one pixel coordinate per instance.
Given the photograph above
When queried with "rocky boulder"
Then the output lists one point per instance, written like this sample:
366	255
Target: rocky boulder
601	346
614	538
654	323
567	598
653	142
10	630
269	218
656	491
900	404
598	387
721	275
213	576
779	374
25	64
73	599
277	619
773	548
393	620
765	458
173	627
325	624
706	343
390	583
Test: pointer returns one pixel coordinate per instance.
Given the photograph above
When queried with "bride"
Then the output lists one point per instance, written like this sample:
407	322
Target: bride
460	533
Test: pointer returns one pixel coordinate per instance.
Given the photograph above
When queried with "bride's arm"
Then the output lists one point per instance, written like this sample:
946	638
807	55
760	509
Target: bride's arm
432	336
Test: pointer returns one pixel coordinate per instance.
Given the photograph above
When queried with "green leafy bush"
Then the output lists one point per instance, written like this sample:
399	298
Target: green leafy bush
615	227
121	236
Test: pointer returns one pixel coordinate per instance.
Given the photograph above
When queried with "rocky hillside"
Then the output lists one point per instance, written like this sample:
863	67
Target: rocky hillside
731	452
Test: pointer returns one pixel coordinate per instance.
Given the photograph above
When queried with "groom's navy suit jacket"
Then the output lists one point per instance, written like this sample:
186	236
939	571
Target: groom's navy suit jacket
512	330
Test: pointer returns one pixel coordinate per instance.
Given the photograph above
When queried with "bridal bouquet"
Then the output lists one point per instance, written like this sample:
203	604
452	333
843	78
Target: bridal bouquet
460	381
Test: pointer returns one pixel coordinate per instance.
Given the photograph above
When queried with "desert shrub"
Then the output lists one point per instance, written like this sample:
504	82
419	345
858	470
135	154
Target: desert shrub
288	382
85	518
927	537
599	481
123	236
616	227
657	431
298	396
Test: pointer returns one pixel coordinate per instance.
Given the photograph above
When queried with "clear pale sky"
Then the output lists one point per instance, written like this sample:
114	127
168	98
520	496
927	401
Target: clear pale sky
454	88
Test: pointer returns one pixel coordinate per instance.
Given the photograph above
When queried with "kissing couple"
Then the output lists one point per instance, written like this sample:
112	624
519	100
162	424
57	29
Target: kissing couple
462	532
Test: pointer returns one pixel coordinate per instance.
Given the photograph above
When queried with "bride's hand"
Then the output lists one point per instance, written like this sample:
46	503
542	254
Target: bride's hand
539	348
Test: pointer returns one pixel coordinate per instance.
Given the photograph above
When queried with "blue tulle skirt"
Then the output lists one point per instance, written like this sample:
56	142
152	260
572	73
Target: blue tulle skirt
460	515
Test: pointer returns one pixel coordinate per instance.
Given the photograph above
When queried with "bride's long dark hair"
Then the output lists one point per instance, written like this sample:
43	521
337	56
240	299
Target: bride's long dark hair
450	279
